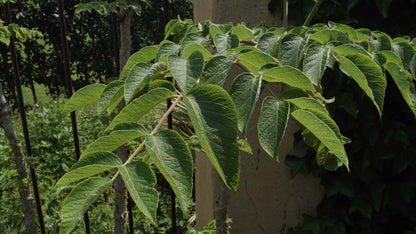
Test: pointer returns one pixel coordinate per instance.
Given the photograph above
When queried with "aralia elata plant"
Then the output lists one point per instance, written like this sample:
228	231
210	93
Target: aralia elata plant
198	58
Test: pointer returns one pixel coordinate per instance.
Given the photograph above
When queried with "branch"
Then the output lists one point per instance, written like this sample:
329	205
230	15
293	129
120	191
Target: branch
159	124
312	13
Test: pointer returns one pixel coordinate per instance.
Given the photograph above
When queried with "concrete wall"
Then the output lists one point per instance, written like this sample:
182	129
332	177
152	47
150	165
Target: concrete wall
267	201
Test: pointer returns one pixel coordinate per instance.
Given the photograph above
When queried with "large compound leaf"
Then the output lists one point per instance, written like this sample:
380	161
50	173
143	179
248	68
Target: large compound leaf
291	49
245	92
368	76
140	76
89	165
225	43
140	181
322	127
172	157
84	96
144	55
140	106
79	200
216	70
254	60
111	96
290	76
186	71
214	118
112	141
315	62
272	124
404	83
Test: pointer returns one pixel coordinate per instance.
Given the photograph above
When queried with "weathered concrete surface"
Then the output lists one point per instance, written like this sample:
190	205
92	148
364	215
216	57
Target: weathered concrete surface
267	201
251	12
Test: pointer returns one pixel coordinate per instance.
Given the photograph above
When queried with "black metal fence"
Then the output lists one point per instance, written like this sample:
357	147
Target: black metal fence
69	90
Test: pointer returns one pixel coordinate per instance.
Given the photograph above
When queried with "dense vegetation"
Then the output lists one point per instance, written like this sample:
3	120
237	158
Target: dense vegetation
379	122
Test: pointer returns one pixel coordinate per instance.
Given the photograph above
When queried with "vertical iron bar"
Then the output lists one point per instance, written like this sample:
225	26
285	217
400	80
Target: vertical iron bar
20	101
68	80
170	125
130	210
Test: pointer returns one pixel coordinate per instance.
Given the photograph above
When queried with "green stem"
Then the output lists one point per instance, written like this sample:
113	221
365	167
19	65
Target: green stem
285	12
159	124
313	12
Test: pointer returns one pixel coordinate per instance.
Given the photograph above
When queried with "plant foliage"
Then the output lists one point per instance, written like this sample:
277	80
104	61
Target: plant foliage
198	59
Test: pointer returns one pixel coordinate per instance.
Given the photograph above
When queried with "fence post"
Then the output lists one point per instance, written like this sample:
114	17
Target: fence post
67	74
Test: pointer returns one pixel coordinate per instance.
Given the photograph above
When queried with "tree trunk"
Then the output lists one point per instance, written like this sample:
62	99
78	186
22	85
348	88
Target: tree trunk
120	193
19	158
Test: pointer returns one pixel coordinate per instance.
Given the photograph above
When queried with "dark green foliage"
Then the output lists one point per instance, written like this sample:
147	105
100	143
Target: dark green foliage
378	194
89	38
393	17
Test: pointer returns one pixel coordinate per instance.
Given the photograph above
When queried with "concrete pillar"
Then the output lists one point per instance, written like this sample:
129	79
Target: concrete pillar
267	200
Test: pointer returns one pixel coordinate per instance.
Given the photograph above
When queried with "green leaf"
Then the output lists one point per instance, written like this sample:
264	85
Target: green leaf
290	76
291	50
243	32
385	56
245	91
272	123
171	155
161	84
193	38
225	43
140	181
349	49
144	55
353	35
79	200
315	62
191	48
216	70
268	43
404	83
89	165
214	30
413	67
368	76
405	51
308	103
323	37
140	106
168	48
322	127
382	42
112	141
186	71
111	96
140	76
84	96
324	158
254	60
214	118
244	146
